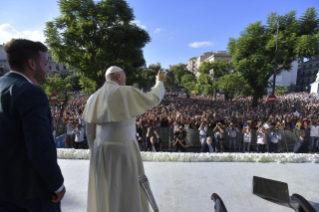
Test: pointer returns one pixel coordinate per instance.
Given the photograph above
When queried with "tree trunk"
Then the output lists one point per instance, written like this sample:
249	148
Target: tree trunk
255	97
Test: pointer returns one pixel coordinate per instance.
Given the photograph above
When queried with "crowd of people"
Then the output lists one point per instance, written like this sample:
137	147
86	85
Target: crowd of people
297	111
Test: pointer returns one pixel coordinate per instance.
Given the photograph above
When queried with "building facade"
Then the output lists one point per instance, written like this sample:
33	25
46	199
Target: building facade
218	55
194	63
191	65
286	78
60	67
307	73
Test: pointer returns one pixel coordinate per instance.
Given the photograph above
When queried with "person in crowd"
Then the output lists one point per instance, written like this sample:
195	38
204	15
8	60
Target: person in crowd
30	177
115	161
79	137
203	128
153	144
141	144
314	136
181	133
261	139
275	137
69	133
246	139
302	146
219	137
179	143
232	136
208	145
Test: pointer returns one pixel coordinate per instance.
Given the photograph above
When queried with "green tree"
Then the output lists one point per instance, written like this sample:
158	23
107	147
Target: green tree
156	67
210	72
234	83
53	73
61	87
179	71
144	78
188	82
90	36
74	80
254	51
170	80
281	90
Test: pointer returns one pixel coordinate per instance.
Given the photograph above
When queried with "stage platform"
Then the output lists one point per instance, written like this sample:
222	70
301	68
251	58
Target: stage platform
187	186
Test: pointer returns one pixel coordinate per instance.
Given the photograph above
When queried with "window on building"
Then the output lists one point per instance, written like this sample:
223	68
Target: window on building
64	67
304	66
310	65
50	67
308	80
317	64
57	67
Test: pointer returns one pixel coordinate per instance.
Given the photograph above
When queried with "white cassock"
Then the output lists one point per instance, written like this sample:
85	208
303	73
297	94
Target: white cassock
115	162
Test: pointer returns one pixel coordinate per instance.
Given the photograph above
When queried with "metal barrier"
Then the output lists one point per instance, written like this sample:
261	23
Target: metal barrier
286	144
288	139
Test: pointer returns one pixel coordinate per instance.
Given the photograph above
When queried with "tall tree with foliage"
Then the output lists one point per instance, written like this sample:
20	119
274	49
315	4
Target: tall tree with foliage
90	36
179	71
254	51
281	90
61	87
170	80
188	82
210	72
234	83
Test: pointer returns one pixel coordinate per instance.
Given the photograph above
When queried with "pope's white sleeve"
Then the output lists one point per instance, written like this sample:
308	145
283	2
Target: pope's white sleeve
131	102
90	134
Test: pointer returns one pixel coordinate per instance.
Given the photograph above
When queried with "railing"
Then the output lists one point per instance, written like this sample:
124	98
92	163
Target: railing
286	144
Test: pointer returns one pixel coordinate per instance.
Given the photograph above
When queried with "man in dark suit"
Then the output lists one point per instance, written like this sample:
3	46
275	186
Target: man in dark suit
302	146
30	177
208	145
153	144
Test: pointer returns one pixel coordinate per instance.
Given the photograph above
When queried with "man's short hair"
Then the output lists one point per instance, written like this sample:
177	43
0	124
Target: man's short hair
19	51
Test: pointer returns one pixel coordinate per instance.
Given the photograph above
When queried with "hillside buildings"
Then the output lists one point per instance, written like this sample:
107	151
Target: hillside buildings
307	74
60	67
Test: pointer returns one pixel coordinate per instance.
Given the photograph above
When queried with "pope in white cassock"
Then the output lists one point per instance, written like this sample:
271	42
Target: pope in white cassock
115	163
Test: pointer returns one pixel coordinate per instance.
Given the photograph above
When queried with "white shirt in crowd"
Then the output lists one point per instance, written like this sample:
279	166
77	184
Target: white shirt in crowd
275	138
81	121
79	135
314	130
203	130
69	130
247	137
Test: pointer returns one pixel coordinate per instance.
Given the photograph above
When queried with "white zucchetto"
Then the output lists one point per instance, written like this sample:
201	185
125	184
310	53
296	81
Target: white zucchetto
112	70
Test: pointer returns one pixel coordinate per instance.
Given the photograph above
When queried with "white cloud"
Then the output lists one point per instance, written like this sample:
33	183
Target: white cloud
171	38
138	23
200	44
34	35
158	30
7	32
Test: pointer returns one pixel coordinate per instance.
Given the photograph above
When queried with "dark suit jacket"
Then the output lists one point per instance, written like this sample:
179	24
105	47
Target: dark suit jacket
28	157
205	147
302	146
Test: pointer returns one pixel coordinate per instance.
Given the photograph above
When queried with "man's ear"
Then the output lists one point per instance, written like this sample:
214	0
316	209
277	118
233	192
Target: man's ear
31	64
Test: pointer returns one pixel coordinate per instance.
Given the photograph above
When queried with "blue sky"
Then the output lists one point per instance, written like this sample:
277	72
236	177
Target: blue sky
179	29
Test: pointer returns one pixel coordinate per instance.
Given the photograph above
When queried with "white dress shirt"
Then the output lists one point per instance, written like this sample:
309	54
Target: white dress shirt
22	75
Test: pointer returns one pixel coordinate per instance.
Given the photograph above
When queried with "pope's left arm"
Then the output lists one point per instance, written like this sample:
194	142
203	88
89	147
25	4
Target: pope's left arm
136	101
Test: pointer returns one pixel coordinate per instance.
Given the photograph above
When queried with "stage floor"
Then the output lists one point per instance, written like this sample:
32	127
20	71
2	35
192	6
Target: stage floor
187	186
